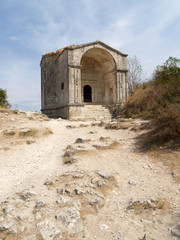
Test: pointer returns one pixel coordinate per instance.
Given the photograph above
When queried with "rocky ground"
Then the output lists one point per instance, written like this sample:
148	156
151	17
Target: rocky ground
65	179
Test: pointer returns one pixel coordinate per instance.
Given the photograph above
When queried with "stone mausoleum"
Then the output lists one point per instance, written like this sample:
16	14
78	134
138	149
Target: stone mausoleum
83	81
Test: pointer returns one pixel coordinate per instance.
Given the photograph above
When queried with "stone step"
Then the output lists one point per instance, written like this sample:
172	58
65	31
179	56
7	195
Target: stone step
96	112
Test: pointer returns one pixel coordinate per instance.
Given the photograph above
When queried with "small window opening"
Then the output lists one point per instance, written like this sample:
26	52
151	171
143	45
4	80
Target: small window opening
87	93
62	86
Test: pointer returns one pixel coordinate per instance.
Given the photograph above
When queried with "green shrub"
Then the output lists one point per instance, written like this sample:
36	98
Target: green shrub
3	99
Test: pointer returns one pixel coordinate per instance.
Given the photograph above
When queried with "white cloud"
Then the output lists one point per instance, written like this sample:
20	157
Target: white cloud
142	31
140	28
13	38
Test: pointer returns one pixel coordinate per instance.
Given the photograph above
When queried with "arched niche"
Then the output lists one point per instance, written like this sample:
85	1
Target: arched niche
98	70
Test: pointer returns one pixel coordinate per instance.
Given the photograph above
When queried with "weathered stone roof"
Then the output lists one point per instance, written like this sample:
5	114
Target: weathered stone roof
71	47
58	51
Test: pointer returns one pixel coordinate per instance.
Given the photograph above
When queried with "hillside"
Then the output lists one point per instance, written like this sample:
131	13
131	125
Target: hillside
159	100
88	180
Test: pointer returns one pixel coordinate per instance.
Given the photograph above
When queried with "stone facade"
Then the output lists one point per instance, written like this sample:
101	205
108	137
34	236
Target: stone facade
78	75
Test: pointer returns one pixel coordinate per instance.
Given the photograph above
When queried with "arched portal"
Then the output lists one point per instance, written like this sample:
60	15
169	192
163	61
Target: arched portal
87	93
98	72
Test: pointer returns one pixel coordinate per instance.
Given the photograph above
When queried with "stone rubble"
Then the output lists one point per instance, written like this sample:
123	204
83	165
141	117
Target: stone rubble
48	230
107	194
55	217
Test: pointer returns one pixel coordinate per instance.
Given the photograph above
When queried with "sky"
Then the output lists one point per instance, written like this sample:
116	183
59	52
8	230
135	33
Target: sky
148	29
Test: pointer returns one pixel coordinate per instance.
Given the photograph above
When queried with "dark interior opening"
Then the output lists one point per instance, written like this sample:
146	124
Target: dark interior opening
87	92
62	86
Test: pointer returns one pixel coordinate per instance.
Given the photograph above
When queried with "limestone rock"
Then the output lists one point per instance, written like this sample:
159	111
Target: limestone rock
38	216
68	153
8	227
31	237
105	175
62	200
48	230
78	175
30	141
77	204
26	195
39	204
174	174
91	191
131	182
70	218
48	183
94	180
144	238
61	190
22	228
79	191
68	191
120	236
79	140
175	232
101	183
24	132
91	185
70	160
94	201
9	132
8	209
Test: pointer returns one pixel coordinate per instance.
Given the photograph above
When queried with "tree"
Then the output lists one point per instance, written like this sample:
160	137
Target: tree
134	73
3	98
169	72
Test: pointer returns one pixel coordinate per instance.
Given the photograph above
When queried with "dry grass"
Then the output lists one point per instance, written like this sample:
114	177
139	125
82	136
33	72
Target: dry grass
83	125
164	131
116	126
104	139
169	158
153	103
16	136
101	124
47	131
159	99
80	140
71	126
28	132
109	146
149	205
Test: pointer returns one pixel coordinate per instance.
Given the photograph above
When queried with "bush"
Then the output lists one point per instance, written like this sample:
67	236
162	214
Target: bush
3	99
159	99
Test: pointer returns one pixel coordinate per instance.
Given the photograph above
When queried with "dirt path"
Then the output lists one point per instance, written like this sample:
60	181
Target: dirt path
143	199
25	165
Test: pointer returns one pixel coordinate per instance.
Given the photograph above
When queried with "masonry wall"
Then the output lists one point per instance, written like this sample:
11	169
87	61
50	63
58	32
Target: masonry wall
75	56
62	83
48	82
63	77
120	86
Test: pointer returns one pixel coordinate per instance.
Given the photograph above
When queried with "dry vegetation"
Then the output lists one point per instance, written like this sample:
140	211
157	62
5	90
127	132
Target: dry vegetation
148	205
159	100
13	133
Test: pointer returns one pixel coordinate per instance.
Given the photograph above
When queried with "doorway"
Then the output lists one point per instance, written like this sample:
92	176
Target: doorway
87	93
